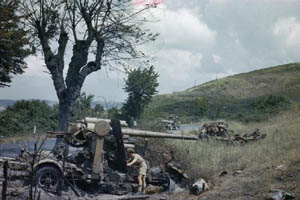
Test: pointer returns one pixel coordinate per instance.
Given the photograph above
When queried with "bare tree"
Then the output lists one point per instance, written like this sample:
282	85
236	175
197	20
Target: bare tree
102	33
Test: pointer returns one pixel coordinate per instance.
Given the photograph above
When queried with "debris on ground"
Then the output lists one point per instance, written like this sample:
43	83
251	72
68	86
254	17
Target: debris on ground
276	194
174	169
152	189
199	187
237	173
223	173
280	167
219	131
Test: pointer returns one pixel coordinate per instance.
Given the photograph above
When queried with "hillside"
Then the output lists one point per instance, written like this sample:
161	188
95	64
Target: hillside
247	96
283	79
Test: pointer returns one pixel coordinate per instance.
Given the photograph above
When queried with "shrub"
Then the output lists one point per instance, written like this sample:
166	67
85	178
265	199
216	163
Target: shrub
271	102
24	115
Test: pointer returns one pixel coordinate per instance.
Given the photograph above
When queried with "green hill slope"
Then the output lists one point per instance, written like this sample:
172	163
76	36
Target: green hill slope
249	96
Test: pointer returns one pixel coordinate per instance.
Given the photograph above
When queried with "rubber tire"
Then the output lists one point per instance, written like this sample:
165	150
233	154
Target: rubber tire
52	174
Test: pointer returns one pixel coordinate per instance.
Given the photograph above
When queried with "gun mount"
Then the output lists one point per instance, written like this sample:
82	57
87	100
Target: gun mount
100	157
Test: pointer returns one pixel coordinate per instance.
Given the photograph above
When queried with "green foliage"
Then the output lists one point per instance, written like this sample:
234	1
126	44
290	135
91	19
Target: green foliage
14	43
270	102
201	106
83	107
114	113
140	85
24	115
246	110
151	114
98	108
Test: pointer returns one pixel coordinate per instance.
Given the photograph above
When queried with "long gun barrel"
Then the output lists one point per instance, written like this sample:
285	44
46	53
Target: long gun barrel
151	134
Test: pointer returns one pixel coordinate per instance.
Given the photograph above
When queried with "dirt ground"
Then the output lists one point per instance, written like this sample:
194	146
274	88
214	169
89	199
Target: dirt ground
240	185
248	184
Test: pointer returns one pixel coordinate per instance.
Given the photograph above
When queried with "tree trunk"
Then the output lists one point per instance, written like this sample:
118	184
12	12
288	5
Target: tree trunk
66	103
65	114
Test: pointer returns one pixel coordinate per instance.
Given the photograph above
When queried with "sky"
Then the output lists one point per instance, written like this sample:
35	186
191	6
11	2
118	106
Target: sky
200	40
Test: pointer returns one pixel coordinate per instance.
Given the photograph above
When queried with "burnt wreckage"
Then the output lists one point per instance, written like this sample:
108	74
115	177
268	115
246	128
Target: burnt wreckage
100	159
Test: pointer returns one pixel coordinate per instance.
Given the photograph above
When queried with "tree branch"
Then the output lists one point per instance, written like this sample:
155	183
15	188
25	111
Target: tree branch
88	21
94	65
62	42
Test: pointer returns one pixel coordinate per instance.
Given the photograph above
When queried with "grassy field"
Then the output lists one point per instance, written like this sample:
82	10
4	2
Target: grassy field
247	97
258	161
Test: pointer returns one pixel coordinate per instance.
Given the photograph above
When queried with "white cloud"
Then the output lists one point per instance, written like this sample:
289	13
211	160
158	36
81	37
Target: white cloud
237	42
182	29
288	29
178	64
217	59
200	40
36	66
218	1
177	69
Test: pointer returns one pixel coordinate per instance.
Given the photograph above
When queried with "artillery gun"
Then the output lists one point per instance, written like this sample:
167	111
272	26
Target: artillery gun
100	158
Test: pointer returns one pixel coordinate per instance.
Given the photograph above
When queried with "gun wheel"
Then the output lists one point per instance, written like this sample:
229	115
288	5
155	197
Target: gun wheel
48	178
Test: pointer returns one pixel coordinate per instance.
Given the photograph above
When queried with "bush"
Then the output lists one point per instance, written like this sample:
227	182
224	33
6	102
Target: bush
271	102
24	115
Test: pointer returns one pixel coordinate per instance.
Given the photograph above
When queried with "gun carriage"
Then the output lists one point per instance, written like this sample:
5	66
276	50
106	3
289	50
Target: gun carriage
100	157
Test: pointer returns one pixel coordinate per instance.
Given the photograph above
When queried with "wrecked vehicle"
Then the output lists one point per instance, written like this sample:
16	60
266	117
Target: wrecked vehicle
99	162
172	123
219	131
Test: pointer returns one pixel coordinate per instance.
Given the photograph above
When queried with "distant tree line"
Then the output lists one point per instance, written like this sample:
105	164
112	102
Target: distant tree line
24	115
21	117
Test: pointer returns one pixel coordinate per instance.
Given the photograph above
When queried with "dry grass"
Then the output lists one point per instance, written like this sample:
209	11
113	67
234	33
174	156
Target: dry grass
281	146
